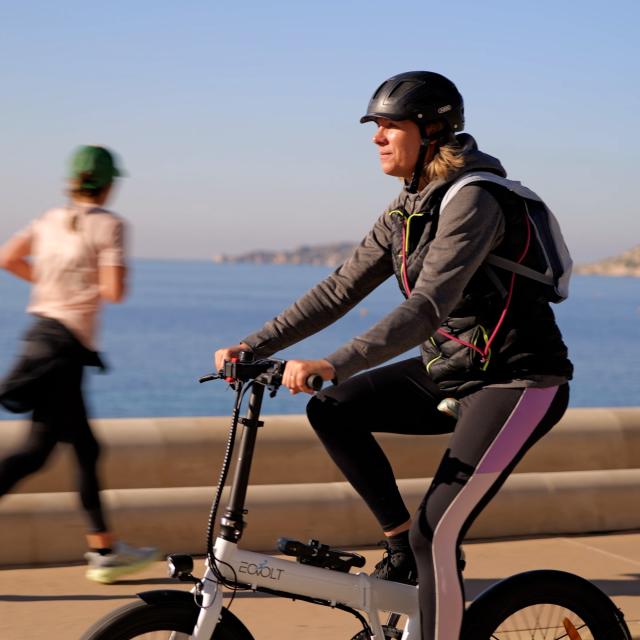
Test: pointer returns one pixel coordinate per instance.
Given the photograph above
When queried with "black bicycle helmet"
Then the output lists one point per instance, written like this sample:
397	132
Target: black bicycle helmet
420	96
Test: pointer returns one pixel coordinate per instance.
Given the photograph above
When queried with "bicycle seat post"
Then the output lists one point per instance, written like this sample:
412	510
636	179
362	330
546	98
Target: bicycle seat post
232	522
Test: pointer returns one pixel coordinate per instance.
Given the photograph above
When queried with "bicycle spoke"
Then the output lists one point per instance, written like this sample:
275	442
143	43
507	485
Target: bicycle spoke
572	632
543	622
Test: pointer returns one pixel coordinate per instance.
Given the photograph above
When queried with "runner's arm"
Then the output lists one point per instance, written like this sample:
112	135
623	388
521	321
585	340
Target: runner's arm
13	256
113	283
112	266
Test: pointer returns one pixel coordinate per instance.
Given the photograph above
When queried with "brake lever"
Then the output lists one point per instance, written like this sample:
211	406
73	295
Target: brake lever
270	380
209	377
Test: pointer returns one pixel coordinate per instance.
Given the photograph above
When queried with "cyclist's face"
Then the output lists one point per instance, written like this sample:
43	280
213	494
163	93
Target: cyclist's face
398	144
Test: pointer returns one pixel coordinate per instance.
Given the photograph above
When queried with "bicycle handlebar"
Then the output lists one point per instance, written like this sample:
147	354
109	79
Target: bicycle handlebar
267	371
315	382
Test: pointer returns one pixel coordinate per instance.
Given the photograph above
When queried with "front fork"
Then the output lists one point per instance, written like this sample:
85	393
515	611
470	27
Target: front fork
210	607
207	618
206	595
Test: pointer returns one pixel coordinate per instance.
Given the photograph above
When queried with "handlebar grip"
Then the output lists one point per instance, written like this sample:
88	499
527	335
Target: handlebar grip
315	382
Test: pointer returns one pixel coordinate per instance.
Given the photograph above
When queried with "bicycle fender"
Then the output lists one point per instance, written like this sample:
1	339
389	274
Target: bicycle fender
165	596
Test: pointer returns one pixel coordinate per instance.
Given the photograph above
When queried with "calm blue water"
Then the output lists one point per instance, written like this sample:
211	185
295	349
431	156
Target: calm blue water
178	313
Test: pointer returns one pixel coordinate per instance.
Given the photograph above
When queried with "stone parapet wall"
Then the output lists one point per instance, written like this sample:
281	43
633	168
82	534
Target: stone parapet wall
159	476
42	527
187	452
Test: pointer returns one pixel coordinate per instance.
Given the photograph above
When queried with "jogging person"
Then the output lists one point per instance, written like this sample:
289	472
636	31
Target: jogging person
490	345
75	257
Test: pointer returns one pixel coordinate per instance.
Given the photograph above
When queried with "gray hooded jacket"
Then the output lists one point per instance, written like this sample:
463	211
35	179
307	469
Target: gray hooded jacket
451	251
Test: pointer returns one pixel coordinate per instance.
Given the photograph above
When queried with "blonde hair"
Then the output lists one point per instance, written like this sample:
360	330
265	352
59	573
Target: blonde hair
449	159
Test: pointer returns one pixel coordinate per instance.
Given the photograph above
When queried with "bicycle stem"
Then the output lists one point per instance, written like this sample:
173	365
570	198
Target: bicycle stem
232	522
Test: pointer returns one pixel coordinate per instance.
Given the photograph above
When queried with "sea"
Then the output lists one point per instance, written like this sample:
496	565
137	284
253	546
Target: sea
162	339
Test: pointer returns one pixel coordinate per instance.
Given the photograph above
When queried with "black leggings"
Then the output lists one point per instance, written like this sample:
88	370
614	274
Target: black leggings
495	429
60	415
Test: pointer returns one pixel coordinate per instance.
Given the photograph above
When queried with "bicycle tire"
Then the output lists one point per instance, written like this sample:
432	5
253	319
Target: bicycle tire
506	610
135	619
390	633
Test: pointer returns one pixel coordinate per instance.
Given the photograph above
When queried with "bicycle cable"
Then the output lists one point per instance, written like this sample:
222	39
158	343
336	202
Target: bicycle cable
226	463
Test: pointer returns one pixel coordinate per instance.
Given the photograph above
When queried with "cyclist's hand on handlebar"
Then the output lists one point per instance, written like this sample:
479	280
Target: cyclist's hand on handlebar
229	352
297	372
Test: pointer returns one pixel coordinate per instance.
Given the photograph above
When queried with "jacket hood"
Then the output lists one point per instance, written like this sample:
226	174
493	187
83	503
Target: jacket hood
475	160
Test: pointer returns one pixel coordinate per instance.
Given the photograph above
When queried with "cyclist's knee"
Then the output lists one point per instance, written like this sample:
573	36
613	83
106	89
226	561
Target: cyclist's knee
323	412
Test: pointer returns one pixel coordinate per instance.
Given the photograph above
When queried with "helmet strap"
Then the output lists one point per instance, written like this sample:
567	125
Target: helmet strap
428	149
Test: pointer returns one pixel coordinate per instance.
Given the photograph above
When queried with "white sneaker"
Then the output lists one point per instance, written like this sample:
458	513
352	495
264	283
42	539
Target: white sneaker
122	560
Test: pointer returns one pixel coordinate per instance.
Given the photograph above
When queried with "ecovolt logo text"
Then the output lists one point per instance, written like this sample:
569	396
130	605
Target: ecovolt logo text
263	570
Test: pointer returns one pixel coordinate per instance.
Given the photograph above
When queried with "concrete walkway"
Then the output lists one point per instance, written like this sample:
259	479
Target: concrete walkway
57	603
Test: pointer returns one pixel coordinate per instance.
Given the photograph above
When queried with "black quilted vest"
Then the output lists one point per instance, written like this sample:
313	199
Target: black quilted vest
528	343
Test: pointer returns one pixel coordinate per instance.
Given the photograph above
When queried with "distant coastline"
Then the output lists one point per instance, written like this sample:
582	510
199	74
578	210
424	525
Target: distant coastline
334	254
626	264
327	255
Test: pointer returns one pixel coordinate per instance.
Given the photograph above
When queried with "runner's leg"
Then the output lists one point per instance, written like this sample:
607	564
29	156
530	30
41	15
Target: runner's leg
29	458
72	415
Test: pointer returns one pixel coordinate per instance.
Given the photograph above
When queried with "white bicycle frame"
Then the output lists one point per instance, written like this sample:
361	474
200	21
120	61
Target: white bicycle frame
285	578
356	591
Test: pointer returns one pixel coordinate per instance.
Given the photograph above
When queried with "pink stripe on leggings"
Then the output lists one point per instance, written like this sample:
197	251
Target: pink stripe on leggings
524	419
522	422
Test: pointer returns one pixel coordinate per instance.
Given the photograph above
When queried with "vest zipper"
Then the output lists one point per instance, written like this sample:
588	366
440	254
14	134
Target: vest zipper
406	224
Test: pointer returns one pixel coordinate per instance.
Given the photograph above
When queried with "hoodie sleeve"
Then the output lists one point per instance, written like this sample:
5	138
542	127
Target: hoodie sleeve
369	266
469	228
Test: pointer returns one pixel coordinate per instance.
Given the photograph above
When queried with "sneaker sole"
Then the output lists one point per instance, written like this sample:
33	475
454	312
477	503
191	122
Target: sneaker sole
108	575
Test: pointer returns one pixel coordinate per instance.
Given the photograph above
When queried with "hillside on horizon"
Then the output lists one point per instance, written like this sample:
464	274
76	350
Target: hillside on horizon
334	254
625	264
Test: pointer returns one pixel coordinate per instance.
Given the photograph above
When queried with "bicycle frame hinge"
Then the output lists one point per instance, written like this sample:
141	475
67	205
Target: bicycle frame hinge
231	527
247	422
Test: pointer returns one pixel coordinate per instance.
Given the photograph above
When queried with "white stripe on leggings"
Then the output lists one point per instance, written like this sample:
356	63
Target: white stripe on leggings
525	417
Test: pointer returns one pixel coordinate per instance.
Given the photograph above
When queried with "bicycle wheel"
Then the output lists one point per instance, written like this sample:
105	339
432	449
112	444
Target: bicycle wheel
390	633
171	621
544	605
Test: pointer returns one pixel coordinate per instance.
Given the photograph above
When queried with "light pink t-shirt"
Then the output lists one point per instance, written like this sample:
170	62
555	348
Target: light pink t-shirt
68	245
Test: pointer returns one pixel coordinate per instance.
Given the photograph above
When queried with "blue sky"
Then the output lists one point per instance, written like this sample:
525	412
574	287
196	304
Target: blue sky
238	122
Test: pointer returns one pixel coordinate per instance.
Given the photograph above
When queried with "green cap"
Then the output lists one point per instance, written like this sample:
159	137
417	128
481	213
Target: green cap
94	167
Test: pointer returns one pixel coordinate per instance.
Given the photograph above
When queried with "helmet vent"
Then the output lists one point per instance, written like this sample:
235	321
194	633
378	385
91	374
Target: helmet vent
402	89
377	91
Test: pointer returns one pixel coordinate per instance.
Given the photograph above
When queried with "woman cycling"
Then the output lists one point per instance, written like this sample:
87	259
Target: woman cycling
488	339
77	261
